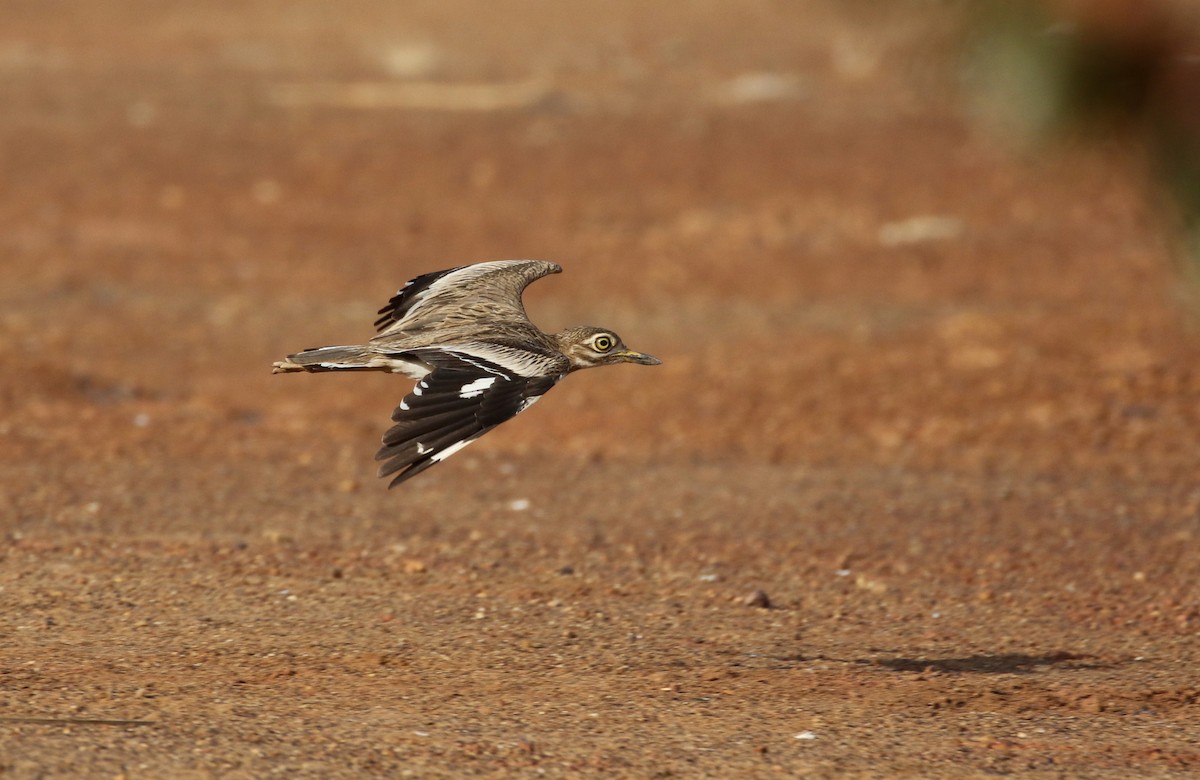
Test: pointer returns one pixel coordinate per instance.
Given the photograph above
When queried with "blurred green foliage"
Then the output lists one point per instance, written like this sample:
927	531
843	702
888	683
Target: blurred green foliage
1099	70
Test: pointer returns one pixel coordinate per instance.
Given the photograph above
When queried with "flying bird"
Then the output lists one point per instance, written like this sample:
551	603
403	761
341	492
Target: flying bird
463	334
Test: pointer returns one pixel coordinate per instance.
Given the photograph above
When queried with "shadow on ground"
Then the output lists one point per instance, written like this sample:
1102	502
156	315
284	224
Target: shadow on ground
1007	663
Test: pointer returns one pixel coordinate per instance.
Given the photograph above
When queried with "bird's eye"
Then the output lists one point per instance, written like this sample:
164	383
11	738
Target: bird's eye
603	343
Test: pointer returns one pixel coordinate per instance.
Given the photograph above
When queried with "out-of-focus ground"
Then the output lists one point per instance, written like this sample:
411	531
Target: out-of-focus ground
933	393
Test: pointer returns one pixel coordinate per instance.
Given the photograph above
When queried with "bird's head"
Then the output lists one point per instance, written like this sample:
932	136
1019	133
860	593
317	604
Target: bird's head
586	347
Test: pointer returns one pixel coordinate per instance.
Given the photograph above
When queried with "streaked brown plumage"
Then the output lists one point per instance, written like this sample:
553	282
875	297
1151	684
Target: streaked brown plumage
464	335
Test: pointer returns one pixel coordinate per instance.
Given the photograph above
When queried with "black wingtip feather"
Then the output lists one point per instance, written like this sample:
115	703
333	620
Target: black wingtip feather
408	432
441	417
407	458
398	305
432	407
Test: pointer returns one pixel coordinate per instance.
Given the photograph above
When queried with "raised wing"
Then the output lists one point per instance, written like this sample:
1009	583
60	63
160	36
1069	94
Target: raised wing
484	291
464	397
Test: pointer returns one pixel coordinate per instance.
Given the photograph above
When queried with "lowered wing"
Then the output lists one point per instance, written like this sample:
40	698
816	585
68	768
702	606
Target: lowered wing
464	397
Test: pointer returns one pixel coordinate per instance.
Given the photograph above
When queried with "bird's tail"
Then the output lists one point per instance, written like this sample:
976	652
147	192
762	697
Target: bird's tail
346	358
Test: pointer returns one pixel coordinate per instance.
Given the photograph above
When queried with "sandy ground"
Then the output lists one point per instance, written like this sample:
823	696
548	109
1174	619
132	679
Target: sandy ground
936	396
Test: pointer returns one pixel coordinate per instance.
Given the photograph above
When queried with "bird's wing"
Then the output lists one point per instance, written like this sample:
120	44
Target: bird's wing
469	293
464	397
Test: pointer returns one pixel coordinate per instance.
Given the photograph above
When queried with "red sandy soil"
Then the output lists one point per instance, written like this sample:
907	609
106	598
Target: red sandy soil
934	394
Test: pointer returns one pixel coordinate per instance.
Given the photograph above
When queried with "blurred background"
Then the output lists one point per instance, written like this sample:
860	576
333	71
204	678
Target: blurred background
920	462
920	234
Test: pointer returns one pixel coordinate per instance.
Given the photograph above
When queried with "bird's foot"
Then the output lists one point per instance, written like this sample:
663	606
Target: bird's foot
284	366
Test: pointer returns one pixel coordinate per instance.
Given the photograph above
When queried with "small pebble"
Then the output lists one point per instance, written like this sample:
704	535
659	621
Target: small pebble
758	598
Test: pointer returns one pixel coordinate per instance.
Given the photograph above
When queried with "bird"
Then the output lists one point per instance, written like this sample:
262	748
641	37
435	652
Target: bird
478	361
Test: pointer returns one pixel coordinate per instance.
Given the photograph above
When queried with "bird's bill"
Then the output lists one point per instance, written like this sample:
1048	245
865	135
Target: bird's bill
641	358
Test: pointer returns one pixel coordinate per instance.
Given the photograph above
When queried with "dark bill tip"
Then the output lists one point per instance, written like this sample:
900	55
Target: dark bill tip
641	358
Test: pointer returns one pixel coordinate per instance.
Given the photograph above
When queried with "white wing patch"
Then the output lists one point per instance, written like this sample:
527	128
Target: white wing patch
476	388
453	448
410	370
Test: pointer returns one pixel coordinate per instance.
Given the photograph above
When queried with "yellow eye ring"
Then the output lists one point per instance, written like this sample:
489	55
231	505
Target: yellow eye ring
603	343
